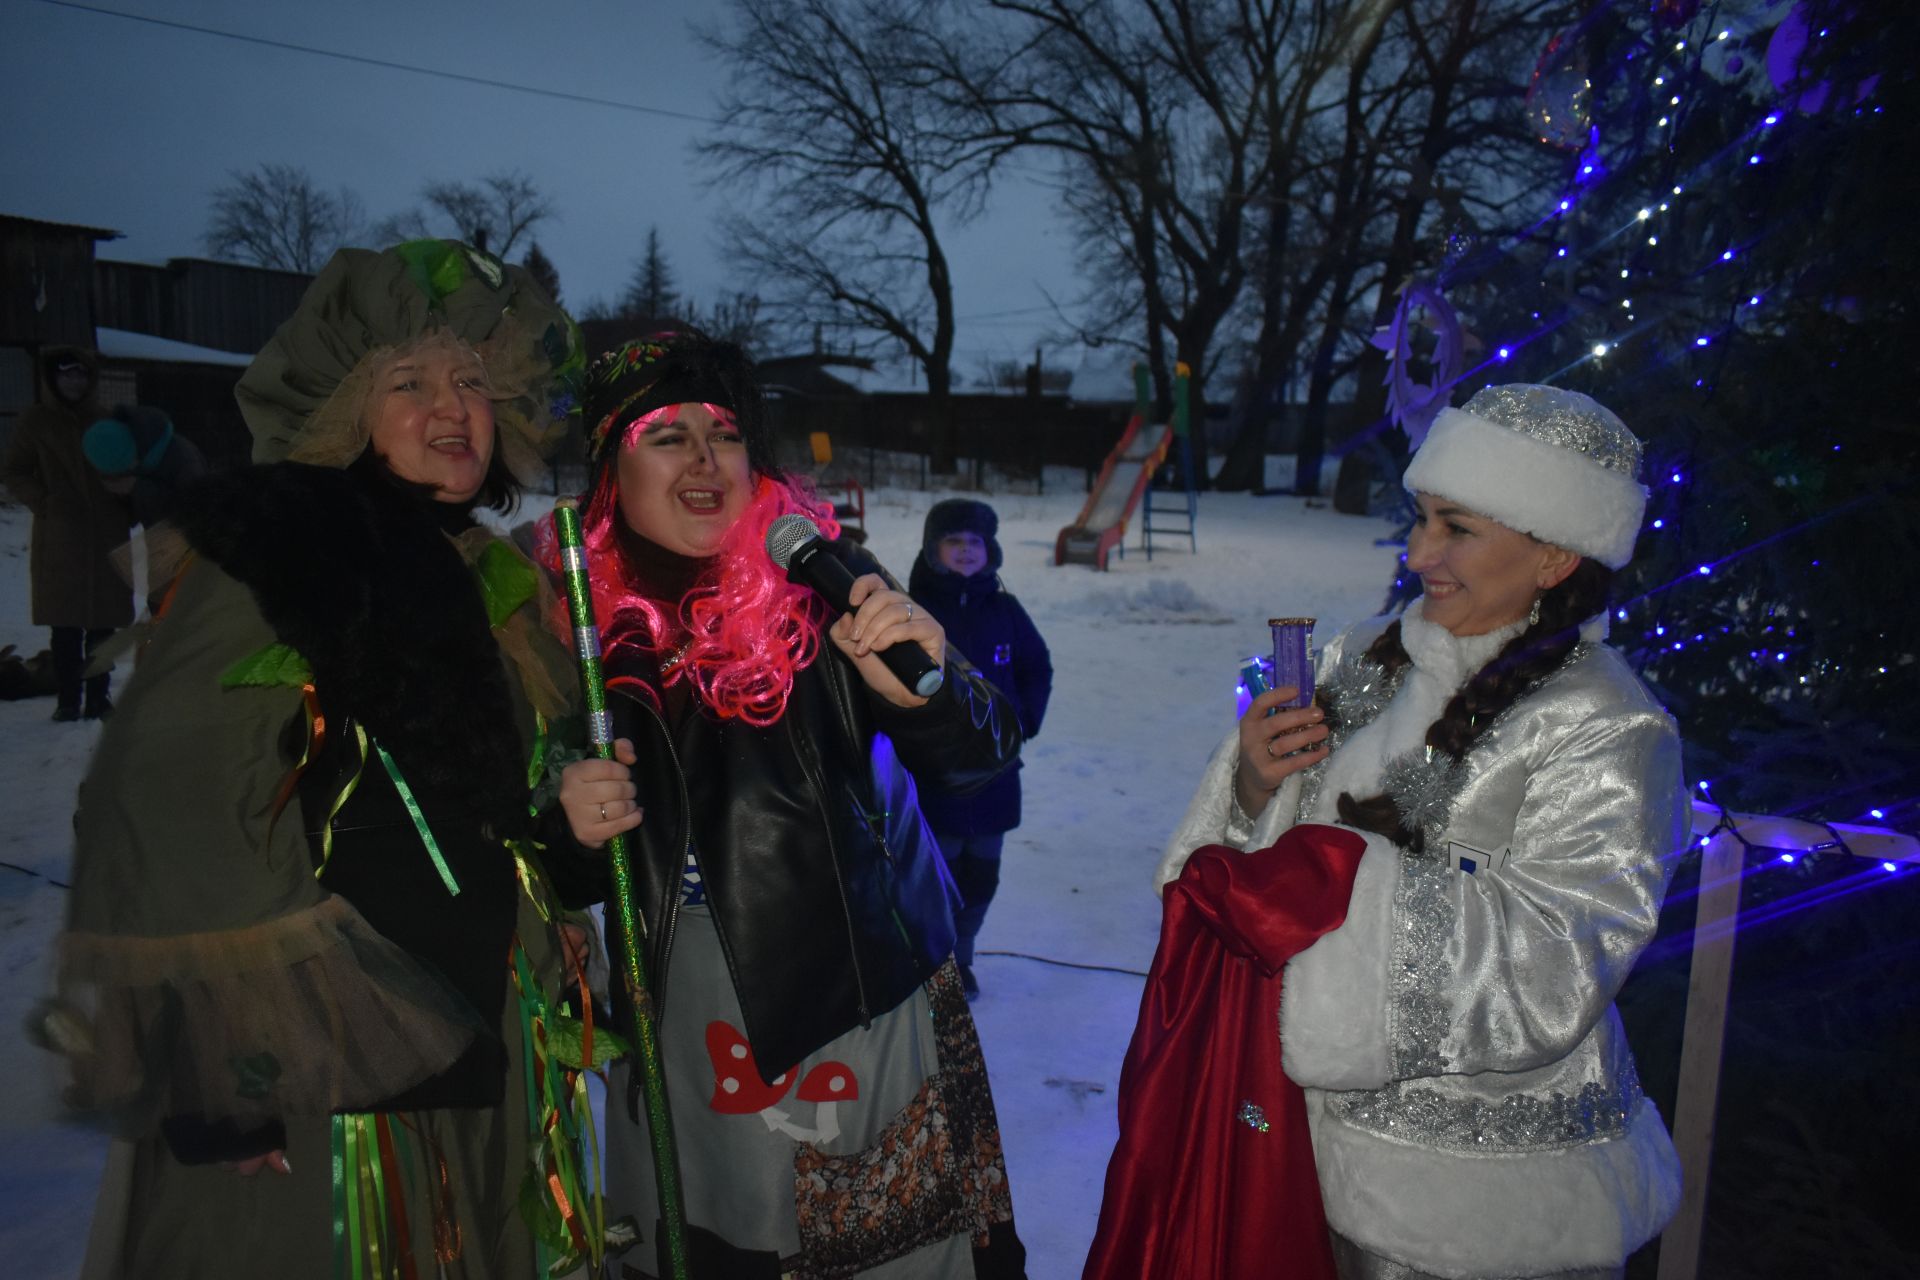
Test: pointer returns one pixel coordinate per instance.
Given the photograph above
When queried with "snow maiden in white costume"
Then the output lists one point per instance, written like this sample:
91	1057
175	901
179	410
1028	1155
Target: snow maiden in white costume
1474	1105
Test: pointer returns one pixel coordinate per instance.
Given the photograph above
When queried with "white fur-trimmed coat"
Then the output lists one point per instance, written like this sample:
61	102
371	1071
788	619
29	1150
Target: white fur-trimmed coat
1474	1104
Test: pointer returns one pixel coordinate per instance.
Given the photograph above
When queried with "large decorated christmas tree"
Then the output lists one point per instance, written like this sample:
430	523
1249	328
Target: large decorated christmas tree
1732	262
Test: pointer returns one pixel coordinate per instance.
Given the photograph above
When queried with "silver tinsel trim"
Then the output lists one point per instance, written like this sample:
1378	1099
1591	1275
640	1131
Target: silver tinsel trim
1564	419
1316	774
1518	1122
1424	784
1423	920
1359	689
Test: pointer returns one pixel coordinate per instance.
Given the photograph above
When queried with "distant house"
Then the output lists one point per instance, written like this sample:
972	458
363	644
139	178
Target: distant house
222	305
175	336
863	408
186	331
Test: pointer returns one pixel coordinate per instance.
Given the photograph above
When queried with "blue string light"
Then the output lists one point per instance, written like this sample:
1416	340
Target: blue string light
1589	171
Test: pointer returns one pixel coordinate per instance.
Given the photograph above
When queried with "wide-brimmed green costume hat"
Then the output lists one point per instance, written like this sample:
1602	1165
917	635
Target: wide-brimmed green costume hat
303	394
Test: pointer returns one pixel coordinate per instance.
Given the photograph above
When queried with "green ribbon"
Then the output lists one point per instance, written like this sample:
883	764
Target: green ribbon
340	802
419	822
341	1260
350	1158
537	761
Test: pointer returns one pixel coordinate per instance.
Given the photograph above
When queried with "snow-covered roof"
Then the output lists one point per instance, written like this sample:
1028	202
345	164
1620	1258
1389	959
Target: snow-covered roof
123	344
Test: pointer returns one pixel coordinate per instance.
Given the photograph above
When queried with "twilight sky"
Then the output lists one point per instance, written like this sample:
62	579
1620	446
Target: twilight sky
121	123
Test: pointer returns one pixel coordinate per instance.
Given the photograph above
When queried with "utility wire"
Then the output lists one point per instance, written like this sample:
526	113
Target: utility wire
382	63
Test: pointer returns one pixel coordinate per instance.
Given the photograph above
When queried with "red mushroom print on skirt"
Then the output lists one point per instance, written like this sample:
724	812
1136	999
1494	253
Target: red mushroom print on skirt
738	1089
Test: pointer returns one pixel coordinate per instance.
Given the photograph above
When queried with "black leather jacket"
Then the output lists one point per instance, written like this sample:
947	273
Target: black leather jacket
825	921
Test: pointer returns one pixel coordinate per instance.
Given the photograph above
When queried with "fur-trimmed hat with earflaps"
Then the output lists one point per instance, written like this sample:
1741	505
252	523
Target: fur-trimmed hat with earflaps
303	395
1544	460
960	515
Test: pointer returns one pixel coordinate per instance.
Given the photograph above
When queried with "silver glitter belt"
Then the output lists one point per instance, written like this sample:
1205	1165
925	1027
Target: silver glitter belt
1423	1115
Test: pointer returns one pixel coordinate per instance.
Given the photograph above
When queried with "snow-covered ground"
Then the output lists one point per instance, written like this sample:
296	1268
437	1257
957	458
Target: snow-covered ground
1145	658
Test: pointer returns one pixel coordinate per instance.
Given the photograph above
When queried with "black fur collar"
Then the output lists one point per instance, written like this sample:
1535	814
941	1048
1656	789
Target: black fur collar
360	579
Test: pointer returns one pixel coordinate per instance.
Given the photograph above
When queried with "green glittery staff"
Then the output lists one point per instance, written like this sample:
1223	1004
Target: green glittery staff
586	641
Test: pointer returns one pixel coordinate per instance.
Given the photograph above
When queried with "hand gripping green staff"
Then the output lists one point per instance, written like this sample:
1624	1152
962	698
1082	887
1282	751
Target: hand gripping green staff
586	640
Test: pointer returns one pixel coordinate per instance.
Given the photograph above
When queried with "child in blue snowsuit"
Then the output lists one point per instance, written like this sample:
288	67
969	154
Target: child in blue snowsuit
957	579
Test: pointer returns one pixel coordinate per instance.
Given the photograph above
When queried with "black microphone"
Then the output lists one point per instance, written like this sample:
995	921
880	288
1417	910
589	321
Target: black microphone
795	544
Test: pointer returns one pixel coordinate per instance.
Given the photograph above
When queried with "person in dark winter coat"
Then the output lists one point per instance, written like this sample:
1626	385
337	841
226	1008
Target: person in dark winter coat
76	523
957	578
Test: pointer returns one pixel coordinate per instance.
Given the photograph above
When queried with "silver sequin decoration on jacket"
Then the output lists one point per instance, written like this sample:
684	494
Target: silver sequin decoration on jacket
1504	1036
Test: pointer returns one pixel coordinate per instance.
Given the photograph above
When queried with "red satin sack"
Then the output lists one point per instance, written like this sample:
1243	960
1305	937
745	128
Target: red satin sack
1195	1189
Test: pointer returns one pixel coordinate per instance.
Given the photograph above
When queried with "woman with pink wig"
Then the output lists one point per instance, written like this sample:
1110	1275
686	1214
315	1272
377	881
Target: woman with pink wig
829	1100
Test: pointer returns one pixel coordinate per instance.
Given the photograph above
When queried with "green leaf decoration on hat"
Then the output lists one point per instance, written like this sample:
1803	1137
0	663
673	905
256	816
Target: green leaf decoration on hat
278	666
488	266
564	1041
566	353
507	581
436	267
565	350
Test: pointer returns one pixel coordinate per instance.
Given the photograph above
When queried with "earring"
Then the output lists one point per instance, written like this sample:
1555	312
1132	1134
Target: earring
1533	615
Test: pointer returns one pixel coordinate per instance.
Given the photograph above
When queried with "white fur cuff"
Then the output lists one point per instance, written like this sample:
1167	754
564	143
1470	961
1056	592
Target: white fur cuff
1214	816
1333	999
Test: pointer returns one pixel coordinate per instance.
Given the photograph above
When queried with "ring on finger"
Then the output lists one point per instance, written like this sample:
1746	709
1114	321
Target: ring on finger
1270	752
603	813
909	611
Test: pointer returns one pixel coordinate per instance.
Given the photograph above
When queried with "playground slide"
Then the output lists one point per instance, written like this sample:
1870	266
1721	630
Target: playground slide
1102	523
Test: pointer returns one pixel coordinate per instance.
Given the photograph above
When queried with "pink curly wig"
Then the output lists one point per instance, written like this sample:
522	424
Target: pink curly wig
746	630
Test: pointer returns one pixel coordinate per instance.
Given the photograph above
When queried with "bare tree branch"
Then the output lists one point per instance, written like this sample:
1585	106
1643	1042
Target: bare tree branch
275	216
832	122
492	214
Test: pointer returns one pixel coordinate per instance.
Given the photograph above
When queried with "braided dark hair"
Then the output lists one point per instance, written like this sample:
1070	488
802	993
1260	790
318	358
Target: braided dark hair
1521	663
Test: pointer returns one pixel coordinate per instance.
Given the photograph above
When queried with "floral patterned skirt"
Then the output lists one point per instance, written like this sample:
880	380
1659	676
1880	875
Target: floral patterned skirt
878	1156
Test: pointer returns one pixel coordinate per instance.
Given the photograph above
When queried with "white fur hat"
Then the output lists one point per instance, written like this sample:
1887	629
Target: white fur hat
1546	461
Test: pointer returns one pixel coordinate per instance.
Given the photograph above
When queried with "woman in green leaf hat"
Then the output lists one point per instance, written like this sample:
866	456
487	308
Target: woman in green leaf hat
309	977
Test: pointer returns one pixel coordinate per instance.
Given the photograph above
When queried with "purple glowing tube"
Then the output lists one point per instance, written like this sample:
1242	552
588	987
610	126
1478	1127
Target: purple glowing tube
1293	657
